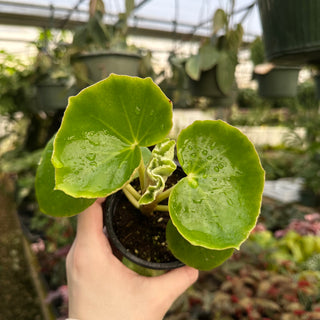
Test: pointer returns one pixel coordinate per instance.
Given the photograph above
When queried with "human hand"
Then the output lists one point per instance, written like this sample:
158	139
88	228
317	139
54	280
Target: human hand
101	287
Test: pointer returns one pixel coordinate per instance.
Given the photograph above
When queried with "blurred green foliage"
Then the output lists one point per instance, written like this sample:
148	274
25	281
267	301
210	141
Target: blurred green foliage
16	90
291	247
257	52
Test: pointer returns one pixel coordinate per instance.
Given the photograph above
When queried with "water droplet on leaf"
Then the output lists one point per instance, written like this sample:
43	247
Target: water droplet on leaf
230	202
93	163
91	156
193	183
137	110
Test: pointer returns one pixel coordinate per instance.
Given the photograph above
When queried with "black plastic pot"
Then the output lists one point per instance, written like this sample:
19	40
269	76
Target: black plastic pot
207	86
291	30
101	64
280	82
111	206
309	198
54	96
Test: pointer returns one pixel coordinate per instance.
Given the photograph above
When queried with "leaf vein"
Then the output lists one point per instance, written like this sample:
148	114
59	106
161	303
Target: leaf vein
108	126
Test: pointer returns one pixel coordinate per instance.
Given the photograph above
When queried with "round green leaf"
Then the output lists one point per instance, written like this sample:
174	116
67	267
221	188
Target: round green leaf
217	204
97	148
194	256
55	202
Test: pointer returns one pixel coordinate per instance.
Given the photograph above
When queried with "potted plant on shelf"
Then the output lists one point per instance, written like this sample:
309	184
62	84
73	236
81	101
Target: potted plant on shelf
54	77
102	49
176	86
101	149
212	69
274	81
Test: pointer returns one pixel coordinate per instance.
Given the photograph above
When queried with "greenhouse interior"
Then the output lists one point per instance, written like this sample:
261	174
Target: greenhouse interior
195	121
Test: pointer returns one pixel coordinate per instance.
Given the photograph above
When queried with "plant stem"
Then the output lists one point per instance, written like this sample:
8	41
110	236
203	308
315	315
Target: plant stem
161	207
133	191
131	198
142	170
164	195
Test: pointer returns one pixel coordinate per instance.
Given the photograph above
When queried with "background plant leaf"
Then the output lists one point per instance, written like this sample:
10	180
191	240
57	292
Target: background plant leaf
234	38
97	148
193	67
225	71
220	20
217	204
209	56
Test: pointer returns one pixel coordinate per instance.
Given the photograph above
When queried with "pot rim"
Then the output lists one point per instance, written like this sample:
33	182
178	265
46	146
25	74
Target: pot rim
107	53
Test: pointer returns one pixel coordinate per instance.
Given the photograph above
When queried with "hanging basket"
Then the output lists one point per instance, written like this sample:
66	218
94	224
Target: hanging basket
101	64
291	30
207	86
277	82
54	96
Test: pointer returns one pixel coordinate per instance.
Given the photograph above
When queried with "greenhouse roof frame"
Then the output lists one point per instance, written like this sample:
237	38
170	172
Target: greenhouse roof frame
57	15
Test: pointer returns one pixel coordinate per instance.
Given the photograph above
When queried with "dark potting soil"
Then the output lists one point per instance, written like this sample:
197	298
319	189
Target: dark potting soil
143	235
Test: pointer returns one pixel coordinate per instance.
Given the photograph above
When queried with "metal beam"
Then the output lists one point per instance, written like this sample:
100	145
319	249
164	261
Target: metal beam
140	4
29	20
18	19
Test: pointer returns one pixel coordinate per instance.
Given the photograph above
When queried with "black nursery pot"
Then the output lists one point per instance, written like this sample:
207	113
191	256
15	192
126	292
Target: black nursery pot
139	238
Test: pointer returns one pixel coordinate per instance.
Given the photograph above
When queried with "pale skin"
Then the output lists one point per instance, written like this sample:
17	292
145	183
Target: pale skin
101	287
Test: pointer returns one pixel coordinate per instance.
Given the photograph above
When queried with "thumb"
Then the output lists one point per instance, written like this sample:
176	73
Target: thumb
175	282
90	223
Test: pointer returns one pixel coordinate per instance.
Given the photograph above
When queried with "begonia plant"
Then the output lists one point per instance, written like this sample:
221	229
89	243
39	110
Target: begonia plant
102	146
